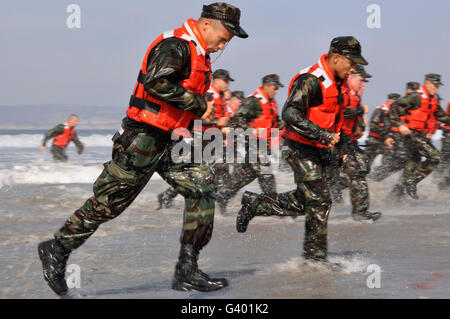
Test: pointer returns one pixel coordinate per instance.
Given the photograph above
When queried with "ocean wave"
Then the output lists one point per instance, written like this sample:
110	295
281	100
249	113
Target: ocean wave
35	140
49	174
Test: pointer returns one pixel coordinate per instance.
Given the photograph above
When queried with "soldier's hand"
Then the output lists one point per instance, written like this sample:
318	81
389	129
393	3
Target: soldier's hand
208	116
404	130
429	135
42	148
389	142
335	139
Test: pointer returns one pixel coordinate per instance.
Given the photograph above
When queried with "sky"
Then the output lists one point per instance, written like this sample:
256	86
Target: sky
45	62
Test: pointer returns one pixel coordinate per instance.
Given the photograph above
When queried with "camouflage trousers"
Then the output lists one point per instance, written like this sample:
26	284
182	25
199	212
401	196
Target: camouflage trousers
417	169
59	153
243	175
311	198
137	154
355	168
374	147
221	174
393	159
443	170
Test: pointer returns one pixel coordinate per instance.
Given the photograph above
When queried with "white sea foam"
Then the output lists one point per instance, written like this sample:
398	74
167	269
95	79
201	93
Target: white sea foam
49	174
35	140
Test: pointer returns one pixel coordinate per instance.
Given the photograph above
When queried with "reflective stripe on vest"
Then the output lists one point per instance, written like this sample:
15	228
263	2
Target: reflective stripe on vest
62	140
329	114
157	113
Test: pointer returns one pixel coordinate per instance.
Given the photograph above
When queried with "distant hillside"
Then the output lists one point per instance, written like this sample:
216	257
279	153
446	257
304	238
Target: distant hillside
46	116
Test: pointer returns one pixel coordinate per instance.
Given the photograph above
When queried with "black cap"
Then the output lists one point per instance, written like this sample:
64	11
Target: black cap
273	79
361	71
238	94
434	78
228	14
393	96
222	74
413	86
349	47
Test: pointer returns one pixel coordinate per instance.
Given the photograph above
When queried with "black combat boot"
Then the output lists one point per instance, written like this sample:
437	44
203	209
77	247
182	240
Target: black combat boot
366	216
54	259
187	275
247	211
411	190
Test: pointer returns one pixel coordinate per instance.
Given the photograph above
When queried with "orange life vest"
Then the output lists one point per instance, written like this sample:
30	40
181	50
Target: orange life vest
62	140
385	109
329	114
422	119
351	100
155	112
268	118
219	102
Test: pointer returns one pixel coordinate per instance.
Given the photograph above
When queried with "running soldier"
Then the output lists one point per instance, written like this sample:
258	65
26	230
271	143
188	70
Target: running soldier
313	115
168	96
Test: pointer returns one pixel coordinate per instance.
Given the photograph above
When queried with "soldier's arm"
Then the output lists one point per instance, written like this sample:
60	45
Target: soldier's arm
401	106
249	110
168	64
57	130
305	93
441	116
375	120
353	112
78	144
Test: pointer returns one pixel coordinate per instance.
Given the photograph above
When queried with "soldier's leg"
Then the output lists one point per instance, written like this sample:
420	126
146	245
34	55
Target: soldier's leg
243	175
196	182
443	170
373	148
357	167
59	154
135	158
417	170
393	159
312	194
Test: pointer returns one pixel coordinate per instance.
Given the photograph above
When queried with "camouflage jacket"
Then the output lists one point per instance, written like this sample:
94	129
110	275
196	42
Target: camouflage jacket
412	101
305	92
58	130
169	62
380	117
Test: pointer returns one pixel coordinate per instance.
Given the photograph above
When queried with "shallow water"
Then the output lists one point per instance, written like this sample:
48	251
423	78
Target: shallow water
134	255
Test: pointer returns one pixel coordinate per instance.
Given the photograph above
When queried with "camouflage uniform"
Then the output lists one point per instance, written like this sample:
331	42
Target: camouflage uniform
356	164
139	151
379	129
395	158
310	164
59	153
418	143
443	170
